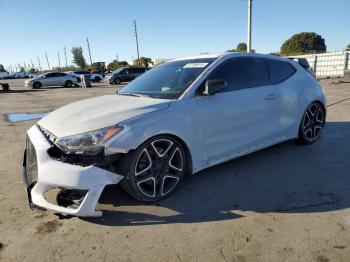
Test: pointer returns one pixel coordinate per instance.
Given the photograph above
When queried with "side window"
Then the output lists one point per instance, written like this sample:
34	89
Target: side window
280	71
61	74
132	70
123	72
243	73
50	75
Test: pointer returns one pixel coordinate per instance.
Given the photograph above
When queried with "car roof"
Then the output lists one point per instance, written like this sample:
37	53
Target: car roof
231	54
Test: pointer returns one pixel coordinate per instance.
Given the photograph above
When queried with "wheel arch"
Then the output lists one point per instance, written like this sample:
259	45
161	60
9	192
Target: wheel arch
139	142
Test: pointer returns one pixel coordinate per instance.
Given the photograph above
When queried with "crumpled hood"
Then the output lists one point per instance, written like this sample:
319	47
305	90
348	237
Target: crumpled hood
98	112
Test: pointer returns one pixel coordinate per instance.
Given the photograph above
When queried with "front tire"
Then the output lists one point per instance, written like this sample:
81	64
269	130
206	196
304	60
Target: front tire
155	169
97	79
37	85
312	124
68	83
117	81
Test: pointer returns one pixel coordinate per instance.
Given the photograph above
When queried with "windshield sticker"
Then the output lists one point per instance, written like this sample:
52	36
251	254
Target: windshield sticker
195	65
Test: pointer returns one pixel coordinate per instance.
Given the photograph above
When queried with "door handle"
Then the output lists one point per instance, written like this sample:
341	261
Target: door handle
270	97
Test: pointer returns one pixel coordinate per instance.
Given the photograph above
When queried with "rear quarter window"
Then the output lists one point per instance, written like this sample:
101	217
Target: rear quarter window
280	71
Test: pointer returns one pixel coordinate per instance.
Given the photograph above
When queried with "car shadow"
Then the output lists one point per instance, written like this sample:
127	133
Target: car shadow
19	91
286	178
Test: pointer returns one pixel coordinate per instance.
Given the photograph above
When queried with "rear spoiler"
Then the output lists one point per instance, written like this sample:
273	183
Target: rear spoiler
305	64
302	61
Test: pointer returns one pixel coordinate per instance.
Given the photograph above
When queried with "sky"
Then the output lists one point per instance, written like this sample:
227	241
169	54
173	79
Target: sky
166	29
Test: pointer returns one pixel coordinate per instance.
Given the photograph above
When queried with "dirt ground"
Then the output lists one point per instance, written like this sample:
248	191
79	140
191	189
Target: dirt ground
285	203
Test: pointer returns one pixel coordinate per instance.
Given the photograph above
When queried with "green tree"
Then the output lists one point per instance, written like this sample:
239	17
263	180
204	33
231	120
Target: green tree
78	57
22	69
143	61
241	48
2	68
304	43
116	64
347	48
33	71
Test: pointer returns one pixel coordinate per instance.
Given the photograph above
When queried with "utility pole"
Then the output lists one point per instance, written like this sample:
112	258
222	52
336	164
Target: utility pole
65	56
249	41
47	60
59	60
32	64
39	64
137	43
117	57
87	40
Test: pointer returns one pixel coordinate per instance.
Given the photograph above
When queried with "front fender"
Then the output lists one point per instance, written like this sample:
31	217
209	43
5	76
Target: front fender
175	121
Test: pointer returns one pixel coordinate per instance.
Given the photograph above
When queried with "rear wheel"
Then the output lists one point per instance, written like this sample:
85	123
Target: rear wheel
312	124
154	169
97	79
68	83
37	85
117	81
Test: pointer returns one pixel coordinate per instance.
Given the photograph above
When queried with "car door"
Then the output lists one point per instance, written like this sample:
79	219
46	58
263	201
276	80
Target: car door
123	75
240	118
130	74
60	79
48	79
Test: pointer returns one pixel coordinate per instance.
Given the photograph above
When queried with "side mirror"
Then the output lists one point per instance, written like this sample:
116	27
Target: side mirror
213	86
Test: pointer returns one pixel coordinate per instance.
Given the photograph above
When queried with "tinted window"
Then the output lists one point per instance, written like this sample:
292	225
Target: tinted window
243	73
60	74
132	70
280	71
50	75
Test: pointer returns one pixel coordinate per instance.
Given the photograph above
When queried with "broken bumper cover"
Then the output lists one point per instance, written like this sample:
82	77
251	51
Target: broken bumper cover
51	174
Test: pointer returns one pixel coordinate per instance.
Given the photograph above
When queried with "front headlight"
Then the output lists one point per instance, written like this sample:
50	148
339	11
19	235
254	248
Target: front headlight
89	143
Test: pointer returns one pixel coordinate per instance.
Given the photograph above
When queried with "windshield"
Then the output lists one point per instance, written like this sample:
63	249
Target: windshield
169	80
117	70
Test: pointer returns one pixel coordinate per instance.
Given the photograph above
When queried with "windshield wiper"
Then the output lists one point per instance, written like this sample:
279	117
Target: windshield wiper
132	94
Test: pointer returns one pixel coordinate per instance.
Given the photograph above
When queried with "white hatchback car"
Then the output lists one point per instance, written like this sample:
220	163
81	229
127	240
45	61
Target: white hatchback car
178	118
52	79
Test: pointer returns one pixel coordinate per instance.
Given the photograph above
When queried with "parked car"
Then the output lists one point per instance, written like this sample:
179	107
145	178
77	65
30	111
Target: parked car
179	118
124	74
52	79
17	75
94	77
4	75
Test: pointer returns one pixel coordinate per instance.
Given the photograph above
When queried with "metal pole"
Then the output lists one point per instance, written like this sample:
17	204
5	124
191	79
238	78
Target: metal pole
249	41
40	69
65	55
59	60
87	40
47	60
32	64
137	43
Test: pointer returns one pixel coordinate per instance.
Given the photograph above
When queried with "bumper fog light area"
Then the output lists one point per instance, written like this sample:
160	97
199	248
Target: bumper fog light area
71	198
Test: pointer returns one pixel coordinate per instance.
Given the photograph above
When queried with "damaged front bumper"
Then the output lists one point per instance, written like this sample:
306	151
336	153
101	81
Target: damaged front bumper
42	173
